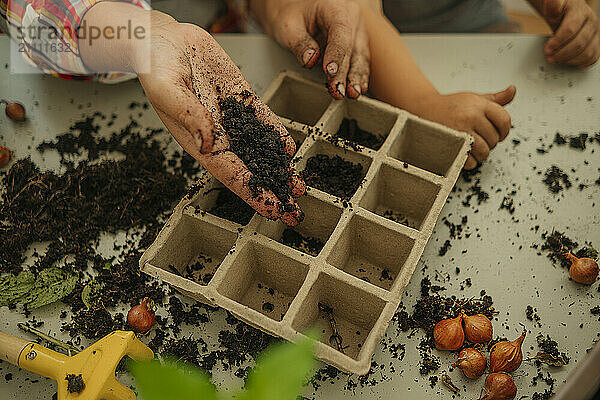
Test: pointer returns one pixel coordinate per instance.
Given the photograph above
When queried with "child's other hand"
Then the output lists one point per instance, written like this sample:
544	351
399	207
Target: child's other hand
481	115
576	39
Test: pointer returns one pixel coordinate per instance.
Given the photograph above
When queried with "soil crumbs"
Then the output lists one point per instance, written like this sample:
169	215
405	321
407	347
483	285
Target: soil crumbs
75	383
260	147
556	179
231	207
306	244
349	130
333	175
431	308
72	209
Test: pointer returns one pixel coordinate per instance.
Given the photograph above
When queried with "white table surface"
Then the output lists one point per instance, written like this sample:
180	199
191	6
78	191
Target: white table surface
549	99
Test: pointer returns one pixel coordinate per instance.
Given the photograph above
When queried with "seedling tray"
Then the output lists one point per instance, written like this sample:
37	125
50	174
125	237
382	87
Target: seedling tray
351	289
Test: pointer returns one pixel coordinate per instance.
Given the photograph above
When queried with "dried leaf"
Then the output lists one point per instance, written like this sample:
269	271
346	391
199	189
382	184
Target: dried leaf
14	288
89	292
551	360
448	383
49	286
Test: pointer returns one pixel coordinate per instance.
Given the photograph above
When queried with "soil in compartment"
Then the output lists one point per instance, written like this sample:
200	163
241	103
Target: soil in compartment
306	244
349	130
267	300
194	249
260	147
399	218
360	252
202	269
342	314
333	175
255	280
371	273
231	207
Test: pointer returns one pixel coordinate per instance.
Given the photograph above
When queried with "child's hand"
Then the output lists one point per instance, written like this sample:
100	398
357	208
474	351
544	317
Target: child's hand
576	39
481	115
300	25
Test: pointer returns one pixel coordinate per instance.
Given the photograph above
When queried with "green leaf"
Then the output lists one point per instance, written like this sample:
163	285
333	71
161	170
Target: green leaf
172	381
49	286
90	290
281	372
14	288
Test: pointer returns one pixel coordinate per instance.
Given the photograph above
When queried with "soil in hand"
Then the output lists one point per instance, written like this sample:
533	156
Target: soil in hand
260	147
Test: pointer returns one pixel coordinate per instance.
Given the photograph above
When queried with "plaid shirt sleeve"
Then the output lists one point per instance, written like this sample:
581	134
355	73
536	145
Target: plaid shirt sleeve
46	31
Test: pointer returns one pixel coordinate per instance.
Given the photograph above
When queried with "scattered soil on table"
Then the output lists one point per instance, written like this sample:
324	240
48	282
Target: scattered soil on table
432	307
333	175
232	208
532	315
475	190
549	352
260	147
556	244
596	311
428	364
455	231
578	142
508	204
75	383
556	179
545	379
195	316
71	210
349	130
185	349
306	244
559	139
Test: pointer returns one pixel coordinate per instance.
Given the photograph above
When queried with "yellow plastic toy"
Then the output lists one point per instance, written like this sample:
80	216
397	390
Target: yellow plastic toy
96	364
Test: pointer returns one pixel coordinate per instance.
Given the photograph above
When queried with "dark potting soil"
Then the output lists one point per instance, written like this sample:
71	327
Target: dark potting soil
549	351
75	383
94	323
349	130
306	244
333	175
556	179
432	308
185	349
71	210
475	190
260	147
398	218
532	315
556	244
179	314
428	364
547	379
232	208
201	270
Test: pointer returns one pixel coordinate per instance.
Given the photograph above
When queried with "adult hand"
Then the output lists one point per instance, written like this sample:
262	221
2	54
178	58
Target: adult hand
300	25
576	39
189	73
481	115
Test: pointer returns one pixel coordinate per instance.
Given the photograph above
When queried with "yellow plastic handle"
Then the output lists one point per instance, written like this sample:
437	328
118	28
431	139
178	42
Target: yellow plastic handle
42	361
11	348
